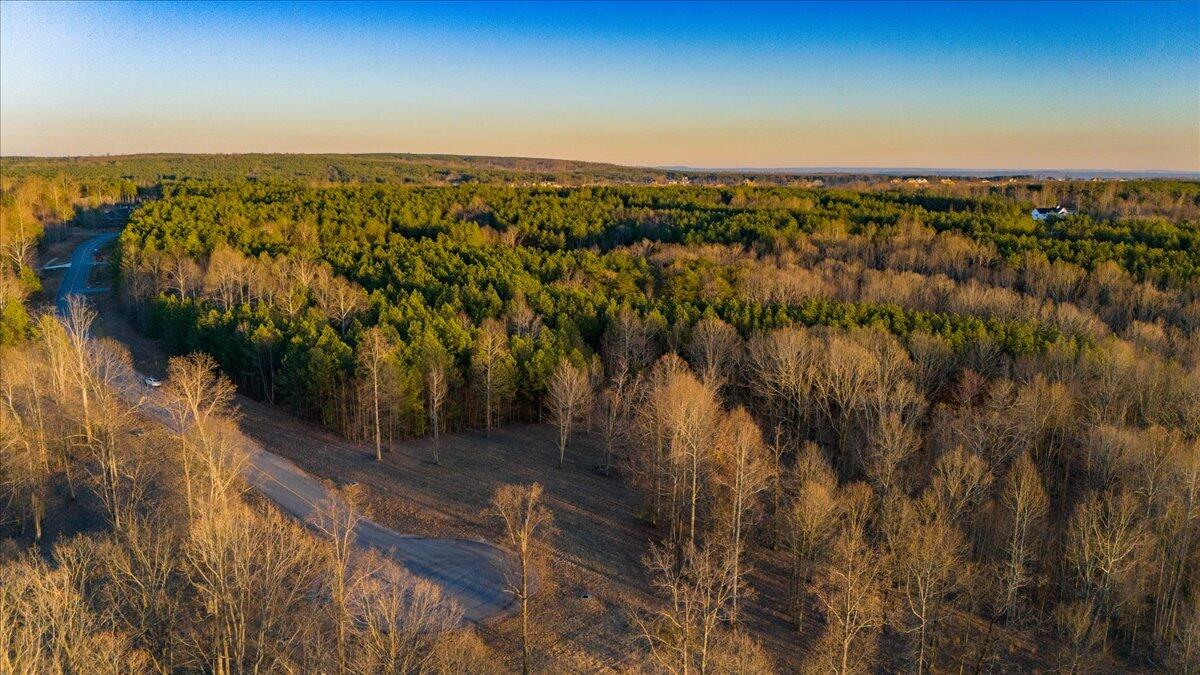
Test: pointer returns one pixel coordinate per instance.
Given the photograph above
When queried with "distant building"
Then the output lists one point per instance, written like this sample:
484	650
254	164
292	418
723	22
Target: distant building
1049	212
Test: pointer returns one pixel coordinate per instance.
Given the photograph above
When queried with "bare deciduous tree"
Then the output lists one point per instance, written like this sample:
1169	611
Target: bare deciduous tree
570	392
26	464
810	520
196	390
1104	545
934	360
199	399
78	325
777	486
24	471
849	593
615	403
184	276
493	366
779	368
374	353
338	522
1025	505
713	348
46	625
892	443
929	560
142	574
437	388
118	472
406	624
528	525
683	421
745	473
253	572
841	387
339	298
960	482
628	341
1184	648
696	589
736	652
1177	530
226	276
1080	631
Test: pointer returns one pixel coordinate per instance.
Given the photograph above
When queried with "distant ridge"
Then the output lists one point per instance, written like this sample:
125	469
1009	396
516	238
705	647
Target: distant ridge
937	171
453	168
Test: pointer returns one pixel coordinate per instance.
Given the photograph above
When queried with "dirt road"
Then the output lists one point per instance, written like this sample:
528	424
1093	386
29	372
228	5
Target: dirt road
471	572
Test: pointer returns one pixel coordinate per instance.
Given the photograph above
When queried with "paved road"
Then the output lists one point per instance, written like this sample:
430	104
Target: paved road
471	572
76	278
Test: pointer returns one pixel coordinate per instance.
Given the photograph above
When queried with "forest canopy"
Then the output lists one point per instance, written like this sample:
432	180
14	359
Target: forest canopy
937	426
431	264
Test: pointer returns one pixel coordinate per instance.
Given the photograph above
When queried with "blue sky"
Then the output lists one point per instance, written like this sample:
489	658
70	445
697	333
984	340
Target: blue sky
1018	85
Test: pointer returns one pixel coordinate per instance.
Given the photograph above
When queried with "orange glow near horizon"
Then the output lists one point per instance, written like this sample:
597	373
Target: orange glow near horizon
882	85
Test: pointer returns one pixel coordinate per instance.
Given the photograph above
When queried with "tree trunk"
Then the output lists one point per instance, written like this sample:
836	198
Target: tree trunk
375	391
437	442
737	558
487	402
564	430
524	616
695	488
921	650
37	509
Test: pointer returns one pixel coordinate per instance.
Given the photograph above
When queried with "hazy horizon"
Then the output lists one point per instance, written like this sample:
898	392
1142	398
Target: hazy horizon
976	87
798	170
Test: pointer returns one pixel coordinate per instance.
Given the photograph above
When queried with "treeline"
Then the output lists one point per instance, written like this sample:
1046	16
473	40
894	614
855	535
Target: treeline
179	570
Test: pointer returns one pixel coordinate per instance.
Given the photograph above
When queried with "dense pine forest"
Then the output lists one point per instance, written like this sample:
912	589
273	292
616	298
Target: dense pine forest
939	412
279	283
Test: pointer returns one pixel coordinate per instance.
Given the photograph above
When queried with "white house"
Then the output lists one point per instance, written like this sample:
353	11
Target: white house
1049	212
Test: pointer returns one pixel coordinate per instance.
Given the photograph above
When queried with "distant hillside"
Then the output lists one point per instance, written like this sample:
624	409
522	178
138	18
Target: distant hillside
334	168
392	168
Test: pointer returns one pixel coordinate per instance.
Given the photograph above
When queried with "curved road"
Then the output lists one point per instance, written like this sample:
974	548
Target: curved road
470	572
76	278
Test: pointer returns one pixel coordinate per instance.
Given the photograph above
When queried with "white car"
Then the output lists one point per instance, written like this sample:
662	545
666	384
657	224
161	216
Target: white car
151	382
